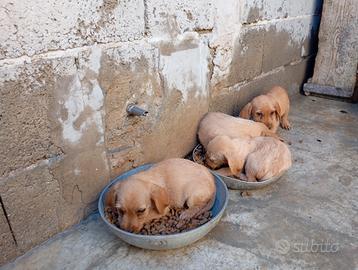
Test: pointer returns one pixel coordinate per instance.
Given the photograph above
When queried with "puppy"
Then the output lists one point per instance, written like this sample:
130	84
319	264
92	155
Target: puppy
261	157
270	109
216	124
171	183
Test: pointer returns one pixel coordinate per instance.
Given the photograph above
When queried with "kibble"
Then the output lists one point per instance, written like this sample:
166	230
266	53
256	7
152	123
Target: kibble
199	155
169	224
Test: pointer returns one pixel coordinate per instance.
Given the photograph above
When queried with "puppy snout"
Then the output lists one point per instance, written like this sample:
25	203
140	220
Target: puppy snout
131	228
125	227
136	228
270	124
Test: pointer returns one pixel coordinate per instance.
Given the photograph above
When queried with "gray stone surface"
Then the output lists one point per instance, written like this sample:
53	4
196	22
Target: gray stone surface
337	58
308	220
31	199
165	17
27	30
248	53
253	11
231	99
25	127
7	243
287	41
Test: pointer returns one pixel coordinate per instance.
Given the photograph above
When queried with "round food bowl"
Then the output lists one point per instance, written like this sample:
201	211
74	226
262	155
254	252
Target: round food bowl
231	182
170	241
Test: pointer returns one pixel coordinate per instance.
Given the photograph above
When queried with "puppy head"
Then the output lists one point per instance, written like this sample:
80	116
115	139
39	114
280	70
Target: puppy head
264	109
137	202
216	150
222	150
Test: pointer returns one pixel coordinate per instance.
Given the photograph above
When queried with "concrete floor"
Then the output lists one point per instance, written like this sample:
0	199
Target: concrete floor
308	220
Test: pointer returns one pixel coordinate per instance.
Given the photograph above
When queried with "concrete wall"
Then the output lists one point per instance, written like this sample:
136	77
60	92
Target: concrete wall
68	69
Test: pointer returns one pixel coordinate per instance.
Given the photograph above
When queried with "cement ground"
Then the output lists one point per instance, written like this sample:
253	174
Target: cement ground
307	220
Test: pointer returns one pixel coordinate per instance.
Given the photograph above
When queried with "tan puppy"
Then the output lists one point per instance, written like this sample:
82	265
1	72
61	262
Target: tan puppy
215	124
270	109
261	157
171	183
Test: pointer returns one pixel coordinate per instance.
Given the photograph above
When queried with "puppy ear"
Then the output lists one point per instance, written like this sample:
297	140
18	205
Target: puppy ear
246	111
111	197
160	198
235	164
277	109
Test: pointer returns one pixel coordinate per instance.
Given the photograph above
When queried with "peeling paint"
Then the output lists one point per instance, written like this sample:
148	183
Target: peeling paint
74	106
95	59
77	171
185	70
180	16
297	30
76	103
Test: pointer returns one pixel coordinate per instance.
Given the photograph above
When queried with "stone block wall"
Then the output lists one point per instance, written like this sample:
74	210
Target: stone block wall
68	70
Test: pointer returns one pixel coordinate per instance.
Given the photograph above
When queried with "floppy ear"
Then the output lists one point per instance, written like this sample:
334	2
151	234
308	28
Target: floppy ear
160	198
111	197
277	109
246	111
235	163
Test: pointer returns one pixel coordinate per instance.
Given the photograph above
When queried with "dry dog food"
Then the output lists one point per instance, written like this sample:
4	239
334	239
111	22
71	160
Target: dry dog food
199	155
112	215
168	224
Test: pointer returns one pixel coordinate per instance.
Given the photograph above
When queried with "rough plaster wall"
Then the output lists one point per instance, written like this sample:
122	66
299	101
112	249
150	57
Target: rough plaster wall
33	27
68	69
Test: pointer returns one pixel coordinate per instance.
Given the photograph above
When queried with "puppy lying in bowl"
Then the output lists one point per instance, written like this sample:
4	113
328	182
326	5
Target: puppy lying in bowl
270	109
261	158
172	183
217	124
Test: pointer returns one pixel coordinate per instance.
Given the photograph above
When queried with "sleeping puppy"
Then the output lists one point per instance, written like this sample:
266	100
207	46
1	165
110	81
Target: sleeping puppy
260	157
270	109
149	194
215	124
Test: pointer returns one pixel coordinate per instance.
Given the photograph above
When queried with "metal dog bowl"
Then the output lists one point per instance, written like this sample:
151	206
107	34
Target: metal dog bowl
231	182
171	241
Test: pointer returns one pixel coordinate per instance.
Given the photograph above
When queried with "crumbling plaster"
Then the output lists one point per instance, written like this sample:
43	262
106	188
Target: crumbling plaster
68	70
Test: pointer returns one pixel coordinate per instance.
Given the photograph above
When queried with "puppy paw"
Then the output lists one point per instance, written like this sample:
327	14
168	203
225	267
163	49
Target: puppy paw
286	125
243	177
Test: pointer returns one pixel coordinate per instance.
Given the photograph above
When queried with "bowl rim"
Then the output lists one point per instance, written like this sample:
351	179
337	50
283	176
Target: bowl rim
155	237
258	184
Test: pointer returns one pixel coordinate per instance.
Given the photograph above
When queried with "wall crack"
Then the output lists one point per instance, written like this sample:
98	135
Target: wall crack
146	19
211	63
203	31
8	221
